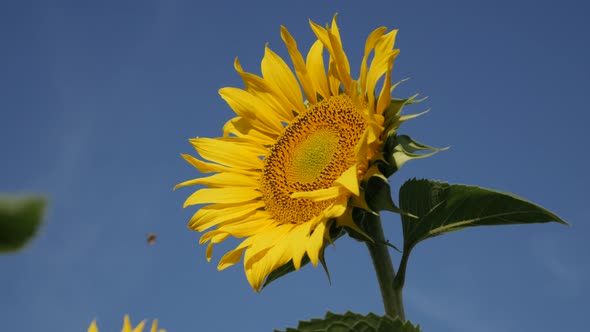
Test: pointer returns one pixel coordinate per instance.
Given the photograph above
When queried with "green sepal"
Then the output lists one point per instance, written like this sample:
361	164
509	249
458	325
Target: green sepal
392	114
353	322
20	218
358	216
399	149
335	234
378	196
442	208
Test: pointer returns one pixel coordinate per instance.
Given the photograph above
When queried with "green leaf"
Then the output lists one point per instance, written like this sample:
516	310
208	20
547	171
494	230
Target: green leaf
335	233
442	208
353	322
19	220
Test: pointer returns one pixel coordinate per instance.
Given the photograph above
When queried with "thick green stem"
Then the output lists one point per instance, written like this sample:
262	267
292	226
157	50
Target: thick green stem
392	296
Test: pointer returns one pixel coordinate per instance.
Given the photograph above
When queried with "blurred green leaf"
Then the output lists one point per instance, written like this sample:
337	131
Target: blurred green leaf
352	322
20	218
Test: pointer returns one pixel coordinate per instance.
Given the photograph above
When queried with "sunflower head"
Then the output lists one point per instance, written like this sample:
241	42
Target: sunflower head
127	327
294	161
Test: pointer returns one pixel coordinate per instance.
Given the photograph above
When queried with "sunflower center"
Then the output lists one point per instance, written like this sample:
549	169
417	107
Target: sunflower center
310	154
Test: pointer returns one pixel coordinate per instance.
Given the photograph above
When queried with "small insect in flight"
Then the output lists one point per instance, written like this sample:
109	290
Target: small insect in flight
151	238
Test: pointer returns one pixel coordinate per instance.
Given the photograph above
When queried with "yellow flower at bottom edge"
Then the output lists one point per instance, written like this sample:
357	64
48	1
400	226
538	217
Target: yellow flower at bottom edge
286	171
127	326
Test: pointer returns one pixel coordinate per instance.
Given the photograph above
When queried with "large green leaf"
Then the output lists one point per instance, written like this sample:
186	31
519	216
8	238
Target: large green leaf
19	220
352	322
442	208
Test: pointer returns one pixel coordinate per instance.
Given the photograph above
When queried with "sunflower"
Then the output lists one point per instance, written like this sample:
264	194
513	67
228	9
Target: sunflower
291	165
127	326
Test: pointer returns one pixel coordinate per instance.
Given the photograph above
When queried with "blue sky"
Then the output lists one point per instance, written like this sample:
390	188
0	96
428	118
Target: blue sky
99	99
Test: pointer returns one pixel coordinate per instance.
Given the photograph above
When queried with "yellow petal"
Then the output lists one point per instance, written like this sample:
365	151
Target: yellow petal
333	80
331	40
361	149
385	95
379	65
230	258
337	209
212	215
126	324
267	91
245	144
321	34
349	180
209	251
333	77
378	68
139	326
265	240
319	194
92	327
299	65
244	229
230	152
298	238
252	107
222	195
386	43
241	127
154	326
276	70
340	57
275	257
317	70
223	180
210	167
316	243
369	45
253	224
215	236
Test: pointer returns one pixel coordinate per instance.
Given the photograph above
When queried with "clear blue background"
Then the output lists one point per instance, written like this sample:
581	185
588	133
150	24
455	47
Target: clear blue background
99	98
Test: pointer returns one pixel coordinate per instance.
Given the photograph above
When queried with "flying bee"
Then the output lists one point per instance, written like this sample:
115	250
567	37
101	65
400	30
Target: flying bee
151	238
